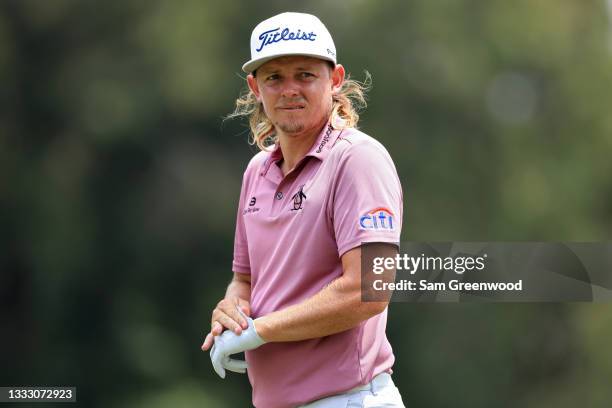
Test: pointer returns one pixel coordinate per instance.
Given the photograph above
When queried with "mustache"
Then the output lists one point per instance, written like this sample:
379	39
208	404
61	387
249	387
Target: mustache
291	102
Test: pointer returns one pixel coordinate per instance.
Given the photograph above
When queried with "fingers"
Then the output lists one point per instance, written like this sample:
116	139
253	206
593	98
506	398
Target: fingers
235	313
245	306
222	321
242	314
215	358
222	362
208	341
226	344
237	366
216	328
227	315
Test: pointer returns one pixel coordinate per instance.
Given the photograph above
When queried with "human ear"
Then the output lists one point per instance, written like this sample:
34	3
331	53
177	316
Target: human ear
253	86
337	77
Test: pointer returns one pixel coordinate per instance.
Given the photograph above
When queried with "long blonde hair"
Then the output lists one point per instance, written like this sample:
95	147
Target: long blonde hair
346	103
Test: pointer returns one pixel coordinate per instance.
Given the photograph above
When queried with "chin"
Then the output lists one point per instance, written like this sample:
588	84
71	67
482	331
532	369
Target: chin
291	127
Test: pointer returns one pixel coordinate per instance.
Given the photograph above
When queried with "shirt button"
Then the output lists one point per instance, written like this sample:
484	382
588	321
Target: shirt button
279	195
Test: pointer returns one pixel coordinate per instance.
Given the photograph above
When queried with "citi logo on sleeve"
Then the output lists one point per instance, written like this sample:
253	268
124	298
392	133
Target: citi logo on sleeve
378	219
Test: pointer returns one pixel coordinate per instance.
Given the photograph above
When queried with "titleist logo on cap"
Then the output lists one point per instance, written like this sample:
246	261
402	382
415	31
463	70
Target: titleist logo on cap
274	36
288	34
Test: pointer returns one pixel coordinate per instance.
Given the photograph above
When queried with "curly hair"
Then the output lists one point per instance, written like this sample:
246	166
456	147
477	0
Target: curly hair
346	105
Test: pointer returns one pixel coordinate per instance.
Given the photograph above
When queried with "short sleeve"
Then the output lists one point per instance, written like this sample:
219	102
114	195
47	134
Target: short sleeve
241	263
367	197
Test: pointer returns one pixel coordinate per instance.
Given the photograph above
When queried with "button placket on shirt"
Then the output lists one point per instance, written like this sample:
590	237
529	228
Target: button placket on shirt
284	185
274	175
280	195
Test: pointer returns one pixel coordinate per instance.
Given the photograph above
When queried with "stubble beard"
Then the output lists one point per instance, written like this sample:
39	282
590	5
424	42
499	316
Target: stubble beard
291	126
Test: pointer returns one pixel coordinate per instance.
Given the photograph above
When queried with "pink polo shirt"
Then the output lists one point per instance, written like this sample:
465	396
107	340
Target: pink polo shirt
291	232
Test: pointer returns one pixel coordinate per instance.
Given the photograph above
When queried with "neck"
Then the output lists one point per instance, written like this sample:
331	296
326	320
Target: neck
295	146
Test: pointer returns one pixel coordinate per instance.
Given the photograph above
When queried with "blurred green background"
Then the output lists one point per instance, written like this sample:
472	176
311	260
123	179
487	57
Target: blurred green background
119	182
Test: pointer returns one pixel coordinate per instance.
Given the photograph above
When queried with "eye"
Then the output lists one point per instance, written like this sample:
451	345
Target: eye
306	75
272	77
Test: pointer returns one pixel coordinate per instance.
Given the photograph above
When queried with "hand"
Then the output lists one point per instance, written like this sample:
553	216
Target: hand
227	315
230	343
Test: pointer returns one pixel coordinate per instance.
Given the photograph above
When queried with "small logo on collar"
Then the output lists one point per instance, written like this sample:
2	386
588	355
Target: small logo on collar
328	132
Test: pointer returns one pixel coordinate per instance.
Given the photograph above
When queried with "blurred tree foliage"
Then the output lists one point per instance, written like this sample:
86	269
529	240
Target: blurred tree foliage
119	184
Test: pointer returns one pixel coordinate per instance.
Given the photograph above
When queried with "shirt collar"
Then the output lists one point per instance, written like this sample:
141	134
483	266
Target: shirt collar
325	141
275	155
320	148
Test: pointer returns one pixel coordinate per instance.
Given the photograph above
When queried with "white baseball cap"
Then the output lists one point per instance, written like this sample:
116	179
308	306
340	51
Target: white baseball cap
290	34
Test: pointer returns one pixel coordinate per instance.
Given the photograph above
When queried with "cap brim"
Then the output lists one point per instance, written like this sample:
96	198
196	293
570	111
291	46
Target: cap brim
253	64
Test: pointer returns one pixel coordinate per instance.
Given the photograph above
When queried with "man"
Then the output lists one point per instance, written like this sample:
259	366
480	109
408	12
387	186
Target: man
307	207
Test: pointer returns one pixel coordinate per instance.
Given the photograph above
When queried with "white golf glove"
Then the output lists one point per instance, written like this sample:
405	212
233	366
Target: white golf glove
229	343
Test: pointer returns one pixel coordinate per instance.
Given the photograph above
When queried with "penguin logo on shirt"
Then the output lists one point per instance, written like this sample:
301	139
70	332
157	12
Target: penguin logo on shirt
298	199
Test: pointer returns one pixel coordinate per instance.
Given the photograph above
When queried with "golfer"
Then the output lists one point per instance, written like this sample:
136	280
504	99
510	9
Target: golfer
316	194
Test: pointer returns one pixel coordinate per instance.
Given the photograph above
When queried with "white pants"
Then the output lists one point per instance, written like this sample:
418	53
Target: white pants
380	392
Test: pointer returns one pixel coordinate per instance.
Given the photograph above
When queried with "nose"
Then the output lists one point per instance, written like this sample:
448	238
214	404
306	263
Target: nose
290	89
